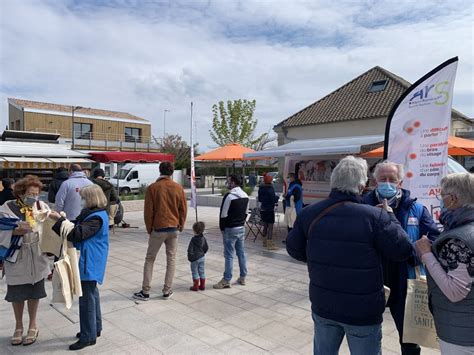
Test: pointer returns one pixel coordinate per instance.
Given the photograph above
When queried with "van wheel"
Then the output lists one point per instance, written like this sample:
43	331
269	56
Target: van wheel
125	191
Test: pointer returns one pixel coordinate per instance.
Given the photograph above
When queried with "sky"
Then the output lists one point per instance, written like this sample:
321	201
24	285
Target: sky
147	56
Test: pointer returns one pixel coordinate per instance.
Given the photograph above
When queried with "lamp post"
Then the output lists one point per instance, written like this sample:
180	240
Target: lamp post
74	108
164	122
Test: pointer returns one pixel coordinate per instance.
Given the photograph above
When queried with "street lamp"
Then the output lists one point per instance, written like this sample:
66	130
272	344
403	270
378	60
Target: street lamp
164	122
74	108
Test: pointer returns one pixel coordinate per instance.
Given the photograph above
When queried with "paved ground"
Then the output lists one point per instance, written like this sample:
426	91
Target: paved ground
271	314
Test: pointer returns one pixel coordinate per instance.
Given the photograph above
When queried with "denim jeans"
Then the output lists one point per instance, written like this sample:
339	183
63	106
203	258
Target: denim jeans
362	339
234	239
197	268
89	311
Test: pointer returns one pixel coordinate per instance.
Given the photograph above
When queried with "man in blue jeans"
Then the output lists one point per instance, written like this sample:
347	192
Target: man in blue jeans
233	214
343	241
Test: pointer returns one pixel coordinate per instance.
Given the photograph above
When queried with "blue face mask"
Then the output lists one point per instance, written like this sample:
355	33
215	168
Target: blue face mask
387	189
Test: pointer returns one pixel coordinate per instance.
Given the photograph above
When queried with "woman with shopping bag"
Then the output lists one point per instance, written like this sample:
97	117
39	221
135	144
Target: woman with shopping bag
450	263
90	235
26	266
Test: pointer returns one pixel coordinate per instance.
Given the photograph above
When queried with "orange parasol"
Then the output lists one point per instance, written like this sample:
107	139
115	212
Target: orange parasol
229	152
456	146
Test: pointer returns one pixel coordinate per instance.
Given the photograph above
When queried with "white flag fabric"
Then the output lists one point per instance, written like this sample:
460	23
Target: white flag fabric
193	202
417	131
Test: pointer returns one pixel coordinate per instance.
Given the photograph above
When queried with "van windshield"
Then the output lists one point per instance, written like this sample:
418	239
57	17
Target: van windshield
122	174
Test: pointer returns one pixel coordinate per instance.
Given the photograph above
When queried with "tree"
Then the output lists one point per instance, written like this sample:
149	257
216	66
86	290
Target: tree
174	144
266	140
233	122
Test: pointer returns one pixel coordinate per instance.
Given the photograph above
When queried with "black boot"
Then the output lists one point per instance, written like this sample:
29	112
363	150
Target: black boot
81	345
78	335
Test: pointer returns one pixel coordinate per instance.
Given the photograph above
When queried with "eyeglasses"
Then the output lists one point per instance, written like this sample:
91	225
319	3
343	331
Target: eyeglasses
440	196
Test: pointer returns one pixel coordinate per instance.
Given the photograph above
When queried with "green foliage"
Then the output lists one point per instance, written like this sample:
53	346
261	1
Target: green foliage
174	144
142	189
224	190
247	189
233	122
132	197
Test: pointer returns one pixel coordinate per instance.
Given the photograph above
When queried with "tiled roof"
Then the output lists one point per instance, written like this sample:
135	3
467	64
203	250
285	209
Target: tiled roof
67	109
353	101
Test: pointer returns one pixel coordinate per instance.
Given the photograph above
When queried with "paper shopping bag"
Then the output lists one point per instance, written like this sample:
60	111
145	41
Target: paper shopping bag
418	325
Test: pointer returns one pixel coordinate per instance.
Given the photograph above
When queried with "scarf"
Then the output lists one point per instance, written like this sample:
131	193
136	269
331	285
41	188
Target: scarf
27	211
454	218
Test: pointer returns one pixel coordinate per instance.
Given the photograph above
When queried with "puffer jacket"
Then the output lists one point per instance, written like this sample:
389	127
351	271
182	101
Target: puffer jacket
343	251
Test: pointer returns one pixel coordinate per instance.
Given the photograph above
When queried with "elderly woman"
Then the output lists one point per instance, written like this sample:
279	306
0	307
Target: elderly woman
27	268
450	263
90	235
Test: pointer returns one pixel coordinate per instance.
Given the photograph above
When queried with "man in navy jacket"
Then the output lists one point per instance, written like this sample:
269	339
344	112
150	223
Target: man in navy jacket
416	221
343	247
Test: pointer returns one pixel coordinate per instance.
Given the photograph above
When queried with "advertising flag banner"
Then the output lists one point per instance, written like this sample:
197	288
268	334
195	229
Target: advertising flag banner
417	131
193	202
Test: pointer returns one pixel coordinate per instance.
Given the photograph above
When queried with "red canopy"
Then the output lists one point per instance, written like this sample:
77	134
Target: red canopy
130	157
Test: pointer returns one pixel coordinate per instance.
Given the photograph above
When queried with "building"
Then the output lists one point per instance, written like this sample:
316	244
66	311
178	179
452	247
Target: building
94	129
358	108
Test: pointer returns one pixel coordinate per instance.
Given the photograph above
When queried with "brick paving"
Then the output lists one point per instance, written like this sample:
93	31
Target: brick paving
271	314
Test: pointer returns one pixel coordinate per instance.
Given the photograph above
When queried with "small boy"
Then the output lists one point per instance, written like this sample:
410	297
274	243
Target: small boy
196	250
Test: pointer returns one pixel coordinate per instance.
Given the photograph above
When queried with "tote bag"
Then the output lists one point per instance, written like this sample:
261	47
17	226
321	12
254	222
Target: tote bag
418	325
66	281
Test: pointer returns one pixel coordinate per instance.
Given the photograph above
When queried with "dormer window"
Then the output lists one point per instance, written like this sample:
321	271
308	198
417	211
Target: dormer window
378	85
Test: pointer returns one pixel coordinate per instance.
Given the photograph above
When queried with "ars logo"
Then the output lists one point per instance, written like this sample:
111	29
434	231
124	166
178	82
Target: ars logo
439	88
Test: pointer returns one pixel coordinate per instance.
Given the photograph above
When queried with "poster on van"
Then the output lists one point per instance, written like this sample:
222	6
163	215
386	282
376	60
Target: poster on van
314	174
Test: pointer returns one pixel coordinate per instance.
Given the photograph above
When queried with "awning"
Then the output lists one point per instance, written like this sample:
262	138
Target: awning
26	160
130	157
71	160
39	150
39	163
456	146
322	147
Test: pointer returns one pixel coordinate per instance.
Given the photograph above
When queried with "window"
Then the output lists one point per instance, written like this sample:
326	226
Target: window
82	130
378	85
133	134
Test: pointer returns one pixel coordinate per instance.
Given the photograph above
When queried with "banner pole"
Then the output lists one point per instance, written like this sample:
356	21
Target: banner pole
193	174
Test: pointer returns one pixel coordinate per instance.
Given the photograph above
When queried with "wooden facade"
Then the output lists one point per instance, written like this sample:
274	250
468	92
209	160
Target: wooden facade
104	131
101	129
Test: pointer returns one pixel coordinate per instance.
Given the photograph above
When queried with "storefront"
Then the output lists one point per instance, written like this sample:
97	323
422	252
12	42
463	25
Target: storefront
18	159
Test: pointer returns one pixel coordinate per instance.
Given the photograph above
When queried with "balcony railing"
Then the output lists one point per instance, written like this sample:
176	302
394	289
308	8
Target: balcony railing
109	141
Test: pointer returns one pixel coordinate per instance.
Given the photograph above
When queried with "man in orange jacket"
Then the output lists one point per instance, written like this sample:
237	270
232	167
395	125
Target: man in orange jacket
165	215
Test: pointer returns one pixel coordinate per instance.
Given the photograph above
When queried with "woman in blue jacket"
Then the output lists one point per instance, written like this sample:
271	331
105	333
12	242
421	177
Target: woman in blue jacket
90	236
267	199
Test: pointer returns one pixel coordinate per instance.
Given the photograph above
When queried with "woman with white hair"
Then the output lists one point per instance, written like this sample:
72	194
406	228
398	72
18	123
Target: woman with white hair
90	235
450	264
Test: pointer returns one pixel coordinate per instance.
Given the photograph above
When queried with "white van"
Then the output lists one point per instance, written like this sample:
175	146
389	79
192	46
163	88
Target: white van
132	176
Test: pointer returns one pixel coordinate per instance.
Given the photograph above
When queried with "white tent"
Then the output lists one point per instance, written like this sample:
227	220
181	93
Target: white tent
321	147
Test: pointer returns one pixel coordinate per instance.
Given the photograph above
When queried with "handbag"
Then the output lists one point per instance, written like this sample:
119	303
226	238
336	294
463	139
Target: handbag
66	281
418	324
290	213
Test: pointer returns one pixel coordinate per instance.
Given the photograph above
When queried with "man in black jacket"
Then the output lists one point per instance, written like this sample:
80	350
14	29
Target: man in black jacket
343	242
109	192
7	193
233	214
61	175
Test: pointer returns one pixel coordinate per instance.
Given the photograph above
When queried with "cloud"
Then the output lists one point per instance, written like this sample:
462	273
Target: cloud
146	56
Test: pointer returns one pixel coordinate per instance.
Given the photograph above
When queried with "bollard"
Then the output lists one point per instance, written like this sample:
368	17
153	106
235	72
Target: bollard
213	188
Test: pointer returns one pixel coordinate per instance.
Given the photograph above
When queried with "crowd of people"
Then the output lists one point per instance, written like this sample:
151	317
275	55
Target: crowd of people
354	242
